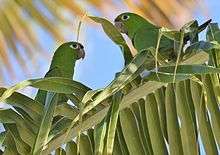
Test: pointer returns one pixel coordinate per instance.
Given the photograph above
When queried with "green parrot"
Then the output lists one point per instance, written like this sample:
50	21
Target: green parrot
144	34
62	65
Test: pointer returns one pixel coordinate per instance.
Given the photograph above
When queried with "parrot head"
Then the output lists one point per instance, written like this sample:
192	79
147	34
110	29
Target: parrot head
129	23
76	48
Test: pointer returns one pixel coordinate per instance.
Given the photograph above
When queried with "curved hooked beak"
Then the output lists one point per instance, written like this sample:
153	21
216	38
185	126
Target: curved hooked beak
120	26
81	53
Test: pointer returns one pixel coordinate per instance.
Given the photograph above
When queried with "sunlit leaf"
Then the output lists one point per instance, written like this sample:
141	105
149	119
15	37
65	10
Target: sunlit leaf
46	122
130	131
155	131
85	145
53	84
203	120
24	129
190	69
115	36
2	137
188	135
10	143
71	148
32	107
113	122
173	130
21	146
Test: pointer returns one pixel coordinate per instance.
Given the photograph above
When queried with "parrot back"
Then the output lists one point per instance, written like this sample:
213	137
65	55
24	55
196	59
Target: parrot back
145	38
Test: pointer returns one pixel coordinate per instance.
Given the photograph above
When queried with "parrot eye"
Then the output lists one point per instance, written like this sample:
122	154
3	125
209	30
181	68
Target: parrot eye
125	17
74	46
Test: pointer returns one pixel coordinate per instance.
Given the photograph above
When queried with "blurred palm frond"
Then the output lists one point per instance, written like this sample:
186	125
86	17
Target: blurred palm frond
18	17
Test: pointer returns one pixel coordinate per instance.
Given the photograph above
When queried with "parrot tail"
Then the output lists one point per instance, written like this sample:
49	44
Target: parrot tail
204	25
200	29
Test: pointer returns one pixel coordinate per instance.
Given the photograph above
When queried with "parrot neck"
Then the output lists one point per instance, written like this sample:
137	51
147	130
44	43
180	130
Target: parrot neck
133	29
65	62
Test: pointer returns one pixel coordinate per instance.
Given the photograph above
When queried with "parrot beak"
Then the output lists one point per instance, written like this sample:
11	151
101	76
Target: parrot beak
81	53
120	26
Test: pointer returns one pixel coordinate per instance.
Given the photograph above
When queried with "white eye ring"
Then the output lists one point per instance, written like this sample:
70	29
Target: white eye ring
125	17
75	46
